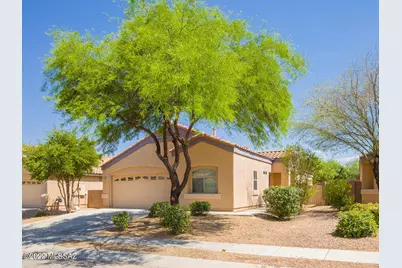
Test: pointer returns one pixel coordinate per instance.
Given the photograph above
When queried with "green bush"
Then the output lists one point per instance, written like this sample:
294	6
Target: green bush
283	201
41	213
370	207
307	192
199	208
356	223
337	194
176	219
121	220
157	209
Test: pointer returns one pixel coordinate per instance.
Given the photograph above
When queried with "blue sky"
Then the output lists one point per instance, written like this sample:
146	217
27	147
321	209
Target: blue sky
329	34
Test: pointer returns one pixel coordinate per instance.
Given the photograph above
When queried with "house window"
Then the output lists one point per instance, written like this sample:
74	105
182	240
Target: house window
255	180
204	181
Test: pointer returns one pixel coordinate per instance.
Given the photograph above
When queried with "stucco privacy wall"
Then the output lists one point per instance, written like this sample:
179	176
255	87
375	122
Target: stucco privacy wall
243	169
278	167
142	162
205	155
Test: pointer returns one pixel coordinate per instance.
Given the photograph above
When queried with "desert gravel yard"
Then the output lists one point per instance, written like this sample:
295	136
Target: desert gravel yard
311	229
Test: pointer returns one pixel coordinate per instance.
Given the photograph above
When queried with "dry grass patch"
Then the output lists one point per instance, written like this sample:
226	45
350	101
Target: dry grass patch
221	256
311	229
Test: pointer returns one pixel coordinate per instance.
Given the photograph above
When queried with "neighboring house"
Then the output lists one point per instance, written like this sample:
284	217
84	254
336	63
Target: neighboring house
37	194
369	190
229	176
279	175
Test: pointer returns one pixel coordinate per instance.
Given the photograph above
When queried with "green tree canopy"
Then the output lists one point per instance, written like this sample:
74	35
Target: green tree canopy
170	60
302	164
344	115
333	170
63	157
353	169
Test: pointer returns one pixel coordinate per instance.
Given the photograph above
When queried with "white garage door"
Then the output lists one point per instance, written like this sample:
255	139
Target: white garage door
140	191
31	194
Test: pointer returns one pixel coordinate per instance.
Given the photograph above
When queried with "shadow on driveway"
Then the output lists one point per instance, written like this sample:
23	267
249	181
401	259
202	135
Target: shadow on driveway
74	227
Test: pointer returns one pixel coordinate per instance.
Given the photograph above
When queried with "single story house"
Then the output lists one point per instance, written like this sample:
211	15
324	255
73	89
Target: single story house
36	194
229	176
369	188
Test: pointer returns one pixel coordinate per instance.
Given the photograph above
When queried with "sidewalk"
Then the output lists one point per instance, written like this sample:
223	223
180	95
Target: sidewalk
260	250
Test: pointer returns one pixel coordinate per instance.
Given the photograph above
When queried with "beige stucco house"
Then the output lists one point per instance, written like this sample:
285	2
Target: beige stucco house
229	176
37	194
369	190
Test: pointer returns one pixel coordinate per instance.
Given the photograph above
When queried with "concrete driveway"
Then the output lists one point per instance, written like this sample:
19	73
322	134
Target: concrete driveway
41	237
71	226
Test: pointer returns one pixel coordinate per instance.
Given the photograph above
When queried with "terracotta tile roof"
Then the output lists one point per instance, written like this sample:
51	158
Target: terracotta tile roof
274	154
98	170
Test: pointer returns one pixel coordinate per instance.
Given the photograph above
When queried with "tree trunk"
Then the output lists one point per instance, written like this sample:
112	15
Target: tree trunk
176	186
174	197
68	198
376	170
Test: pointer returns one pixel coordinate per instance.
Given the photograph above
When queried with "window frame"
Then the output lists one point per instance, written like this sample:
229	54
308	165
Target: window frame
255	180
202	178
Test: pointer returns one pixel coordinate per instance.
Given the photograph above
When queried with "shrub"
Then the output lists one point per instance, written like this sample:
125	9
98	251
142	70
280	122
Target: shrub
121	220
306	193
176	219
283	201
337	194
356	223
370	207
41	213
158	208
199	208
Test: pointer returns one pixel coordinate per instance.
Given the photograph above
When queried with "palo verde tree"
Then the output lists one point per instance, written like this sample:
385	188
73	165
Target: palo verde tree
344	115
63	157
301	165
172	60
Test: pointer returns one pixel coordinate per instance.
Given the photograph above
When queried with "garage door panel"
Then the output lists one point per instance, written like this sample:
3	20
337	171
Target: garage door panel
31	195
140	193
